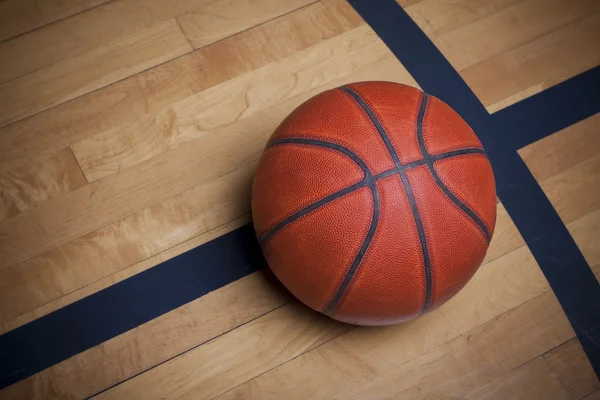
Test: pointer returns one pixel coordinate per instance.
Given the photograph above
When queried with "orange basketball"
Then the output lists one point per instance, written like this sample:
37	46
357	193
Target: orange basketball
374	203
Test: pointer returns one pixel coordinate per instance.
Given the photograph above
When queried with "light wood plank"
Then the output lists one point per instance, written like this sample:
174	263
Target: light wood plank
510	28
109	22
216	20
583	179
214	199
532	380
141	348
570	365
499	286
76	76
436	17
21	16
130	240
37	181
357	366
229	103
93	287
231	146
235	357
528	69
563	150
123	103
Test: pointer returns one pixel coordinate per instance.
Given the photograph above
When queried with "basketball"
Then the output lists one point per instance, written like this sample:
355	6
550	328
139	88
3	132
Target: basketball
374	203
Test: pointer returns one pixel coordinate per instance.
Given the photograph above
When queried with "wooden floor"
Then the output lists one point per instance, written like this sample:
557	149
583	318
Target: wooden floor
129	133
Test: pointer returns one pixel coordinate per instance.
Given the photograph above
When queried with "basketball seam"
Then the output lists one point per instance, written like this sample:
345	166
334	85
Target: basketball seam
365	182
429	161
363	249
407	188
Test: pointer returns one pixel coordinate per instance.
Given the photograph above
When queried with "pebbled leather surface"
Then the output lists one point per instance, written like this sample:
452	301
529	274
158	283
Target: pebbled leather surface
313	251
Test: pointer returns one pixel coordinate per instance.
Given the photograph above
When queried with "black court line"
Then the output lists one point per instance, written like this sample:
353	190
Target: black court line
502	134
126	305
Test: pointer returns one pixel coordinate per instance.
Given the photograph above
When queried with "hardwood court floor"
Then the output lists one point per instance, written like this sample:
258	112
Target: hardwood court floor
129	134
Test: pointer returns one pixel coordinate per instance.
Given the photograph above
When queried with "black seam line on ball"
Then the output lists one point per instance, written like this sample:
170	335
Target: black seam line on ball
422	239
430	160
357	260
450	154
366	181
375	122
330	145
407	188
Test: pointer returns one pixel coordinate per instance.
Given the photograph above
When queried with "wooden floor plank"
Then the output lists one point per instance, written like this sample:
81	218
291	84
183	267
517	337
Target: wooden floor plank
225	149
38	180
76	76
255	348
216	20
532	380
153	342
165	222
351	368
513	75
21	16
499	286
583	179
229	103
154	90
510	28
570	365
98	26
53	303
565	149
128	241
436	17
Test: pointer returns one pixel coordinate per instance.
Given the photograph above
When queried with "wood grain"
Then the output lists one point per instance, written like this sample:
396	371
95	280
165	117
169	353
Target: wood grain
232	103
583	179
85	31
254	348
501	285
225	149
510	28
21	16
536	65
532	380
128	272
563	150
215	20
570	365
153	342
351	368
435	17
123	103
99	67
130	240
38	180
